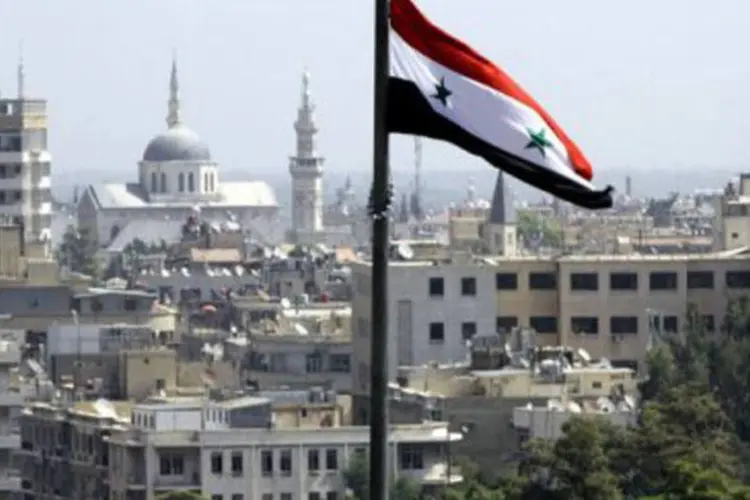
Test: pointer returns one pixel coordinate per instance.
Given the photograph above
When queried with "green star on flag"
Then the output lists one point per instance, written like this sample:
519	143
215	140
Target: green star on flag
539	141
442	93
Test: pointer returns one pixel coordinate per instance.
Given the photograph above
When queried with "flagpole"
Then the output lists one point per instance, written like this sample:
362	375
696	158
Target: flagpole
380	199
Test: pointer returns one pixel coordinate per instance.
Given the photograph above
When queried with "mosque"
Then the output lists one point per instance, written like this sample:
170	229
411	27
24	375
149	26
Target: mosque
177	176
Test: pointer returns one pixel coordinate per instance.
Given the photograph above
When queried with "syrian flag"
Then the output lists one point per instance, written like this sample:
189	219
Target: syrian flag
441	88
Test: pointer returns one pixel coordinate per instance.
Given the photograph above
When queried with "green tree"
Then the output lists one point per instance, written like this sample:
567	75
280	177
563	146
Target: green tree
78	252
576	466
357	478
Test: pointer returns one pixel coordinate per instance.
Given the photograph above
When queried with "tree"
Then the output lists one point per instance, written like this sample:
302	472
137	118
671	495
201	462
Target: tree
357	478
532	227
576	466
78	252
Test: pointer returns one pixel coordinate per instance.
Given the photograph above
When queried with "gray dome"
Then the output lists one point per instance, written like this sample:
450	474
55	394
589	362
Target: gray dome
178	143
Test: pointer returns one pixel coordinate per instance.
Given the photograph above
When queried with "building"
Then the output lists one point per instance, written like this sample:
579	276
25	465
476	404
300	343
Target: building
434	308
176	175
11	403
306	169
479	398
25	164
267	446
610	305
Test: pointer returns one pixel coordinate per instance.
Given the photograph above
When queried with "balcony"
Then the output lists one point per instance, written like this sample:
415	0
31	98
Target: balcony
187	481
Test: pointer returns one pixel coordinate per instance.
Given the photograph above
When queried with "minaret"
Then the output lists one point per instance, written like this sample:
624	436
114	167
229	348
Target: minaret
21	74
306	169
173	106
500	227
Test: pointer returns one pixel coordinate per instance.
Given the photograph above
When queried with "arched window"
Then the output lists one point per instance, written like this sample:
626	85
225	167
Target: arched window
163	182
181	182
211	179
206	188
191	182
154	185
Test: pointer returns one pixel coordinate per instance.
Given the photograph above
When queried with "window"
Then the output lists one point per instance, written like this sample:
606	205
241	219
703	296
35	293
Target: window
285	496
313	363
436	287
171	465
623	281
542	281
670	323
437	333
662	280
506	281
623	324
285	462
339	363
313	460
468	330
468	286
154	182
238	496
217	462
584	324
332	459
266	463
543	324
237	463
410	457
191	182
181	182
584	282
505	324
709	322
267	496
130	305
217	497
700	280
738	279
313	495
163	183
332	495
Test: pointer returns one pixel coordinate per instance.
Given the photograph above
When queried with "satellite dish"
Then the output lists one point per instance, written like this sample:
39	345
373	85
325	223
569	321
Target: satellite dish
105	408
402	251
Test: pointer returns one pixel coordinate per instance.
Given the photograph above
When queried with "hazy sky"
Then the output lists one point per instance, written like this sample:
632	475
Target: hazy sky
653	83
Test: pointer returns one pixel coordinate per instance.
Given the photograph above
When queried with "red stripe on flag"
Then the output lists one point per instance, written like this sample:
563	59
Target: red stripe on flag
422	35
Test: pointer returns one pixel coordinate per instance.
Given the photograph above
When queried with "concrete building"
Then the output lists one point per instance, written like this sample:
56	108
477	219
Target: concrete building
479	398
25	163
603	303
11	402
245	448
547	421
434	308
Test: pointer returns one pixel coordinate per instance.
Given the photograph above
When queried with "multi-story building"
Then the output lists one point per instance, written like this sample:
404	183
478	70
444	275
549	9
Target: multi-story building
434	308
247	448
606	304
25	163
11	402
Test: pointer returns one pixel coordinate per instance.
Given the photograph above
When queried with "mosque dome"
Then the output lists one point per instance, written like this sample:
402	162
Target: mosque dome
178	143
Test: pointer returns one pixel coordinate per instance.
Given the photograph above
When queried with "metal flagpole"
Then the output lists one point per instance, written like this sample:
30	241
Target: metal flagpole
380	199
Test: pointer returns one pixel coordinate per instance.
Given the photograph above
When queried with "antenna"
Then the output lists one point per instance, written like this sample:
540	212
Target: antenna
417	209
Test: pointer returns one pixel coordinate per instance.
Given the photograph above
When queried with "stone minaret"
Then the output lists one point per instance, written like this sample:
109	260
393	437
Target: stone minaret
306	169
173	106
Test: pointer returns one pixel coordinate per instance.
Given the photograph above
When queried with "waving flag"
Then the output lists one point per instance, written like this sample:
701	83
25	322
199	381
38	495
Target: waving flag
441	88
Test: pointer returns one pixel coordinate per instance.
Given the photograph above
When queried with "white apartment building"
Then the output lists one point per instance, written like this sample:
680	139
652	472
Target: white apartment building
204	448
433	309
